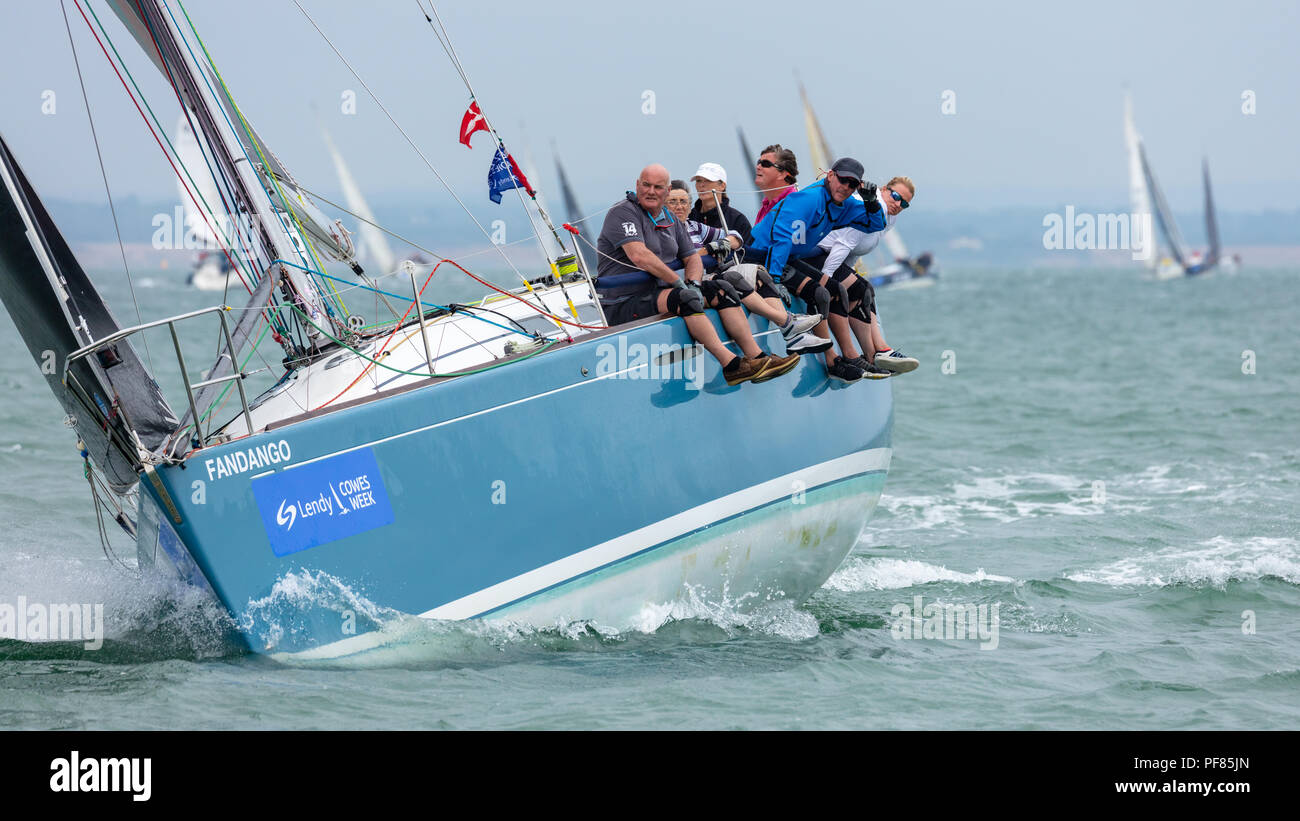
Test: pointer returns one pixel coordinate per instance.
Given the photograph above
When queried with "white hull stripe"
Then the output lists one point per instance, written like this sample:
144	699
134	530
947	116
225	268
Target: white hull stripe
688	521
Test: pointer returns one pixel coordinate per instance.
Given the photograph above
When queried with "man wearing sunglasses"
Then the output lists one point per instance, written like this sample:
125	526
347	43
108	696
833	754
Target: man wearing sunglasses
792	229
853	302
774	174
639	246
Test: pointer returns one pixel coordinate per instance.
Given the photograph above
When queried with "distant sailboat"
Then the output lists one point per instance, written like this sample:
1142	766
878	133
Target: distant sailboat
1147	197
903	268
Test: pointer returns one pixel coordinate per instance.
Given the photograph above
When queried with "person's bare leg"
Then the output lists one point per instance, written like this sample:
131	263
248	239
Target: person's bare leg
862	331
843	335
737	325
702	331
757	305
877	335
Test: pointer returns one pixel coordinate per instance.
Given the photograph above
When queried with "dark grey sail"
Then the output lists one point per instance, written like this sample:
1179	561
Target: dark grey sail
571	209
1164	215
1211	220
110	396
750	158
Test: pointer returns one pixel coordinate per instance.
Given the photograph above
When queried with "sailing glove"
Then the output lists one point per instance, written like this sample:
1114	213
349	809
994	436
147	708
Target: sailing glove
868	191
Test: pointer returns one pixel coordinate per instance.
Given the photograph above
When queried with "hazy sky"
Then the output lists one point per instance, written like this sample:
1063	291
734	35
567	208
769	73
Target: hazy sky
1038	93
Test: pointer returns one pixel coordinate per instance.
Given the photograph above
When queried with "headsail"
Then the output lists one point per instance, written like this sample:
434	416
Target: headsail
1211	219
1164	216
114	404
1139	196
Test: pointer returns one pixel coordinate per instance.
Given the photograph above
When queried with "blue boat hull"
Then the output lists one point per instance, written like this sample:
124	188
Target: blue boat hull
586	482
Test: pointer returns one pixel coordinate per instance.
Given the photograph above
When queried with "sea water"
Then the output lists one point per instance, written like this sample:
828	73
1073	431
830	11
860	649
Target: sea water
1102	472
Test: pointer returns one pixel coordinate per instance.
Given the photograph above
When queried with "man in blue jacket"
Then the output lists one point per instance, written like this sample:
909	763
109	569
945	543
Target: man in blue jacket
801	220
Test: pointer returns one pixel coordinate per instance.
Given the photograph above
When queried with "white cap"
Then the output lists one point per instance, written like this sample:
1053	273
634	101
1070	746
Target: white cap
711	171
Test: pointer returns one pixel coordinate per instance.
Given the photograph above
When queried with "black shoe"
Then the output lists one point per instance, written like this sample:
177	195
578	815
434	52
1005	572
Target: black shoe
843	371
874	372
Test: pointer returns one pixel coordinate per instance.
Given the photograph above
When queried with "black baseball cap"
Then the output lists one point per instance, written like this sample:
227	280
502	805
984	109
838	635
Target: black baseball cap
849	167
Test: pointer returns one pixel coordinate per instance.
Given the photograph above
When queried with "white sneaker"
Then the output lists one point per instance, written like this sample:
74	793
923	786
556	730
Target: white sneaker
807	343
802	323
896	361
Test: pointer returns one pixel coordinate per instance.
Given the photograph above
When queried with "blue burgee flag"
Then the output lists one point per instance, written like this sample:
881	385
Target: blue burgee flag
505	175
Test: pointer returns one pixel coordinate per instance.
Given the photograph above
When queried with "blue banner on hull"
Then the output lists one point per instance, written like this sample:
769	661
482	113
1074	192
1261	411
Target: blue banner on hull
322	502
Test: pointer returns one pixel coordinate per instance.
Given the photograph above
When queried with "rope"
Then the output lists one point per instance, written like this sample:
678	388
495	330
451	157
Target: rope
103	172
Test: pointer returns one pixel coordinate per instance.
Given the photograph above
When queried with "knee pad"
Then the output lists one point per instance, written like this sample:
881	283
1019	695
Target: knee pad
737	280
723	291
822	298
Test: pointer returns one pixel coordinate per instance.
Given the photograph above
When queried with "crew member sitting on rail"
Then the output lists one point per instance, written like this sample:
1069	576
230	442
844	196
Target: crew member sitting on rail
713	244
837	258
794	227
639	245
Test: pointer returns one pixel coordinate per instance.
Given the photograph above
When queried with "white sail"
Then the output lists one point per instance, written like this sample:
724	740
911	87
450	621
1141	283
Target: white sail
377	250
1139	194
200	219
895	245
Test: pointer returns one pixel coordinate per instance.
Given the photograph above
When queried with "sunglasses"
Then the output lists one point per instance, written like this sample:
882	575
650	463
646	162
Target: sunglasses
849	181
769	164
898	198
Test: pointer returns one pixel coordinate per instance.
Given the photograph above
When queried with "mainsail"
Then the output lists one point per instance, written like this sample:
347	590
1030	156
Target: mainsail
111	400
1139	196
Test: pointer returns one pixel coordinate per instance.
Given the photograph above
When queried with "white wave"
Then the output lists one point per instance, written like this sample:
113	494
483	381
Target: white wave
858	575
1214	562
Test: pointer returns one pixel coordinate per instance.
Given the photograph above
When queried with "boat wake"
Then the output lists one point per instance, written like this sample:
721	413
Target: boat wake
374	636
859	575
1212	563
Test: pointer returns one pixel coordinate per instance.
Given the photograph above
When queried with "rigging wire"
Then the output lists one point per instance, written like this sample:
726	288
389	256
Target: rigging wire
126	269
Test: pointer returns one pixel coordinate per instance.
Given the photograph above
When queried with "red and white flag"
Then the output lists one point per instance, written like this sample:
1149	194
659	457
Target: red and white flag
471	122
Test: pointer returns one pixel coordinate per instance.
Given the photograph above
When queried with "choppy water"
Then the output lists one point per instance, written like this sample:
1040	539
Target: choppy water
1096	464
